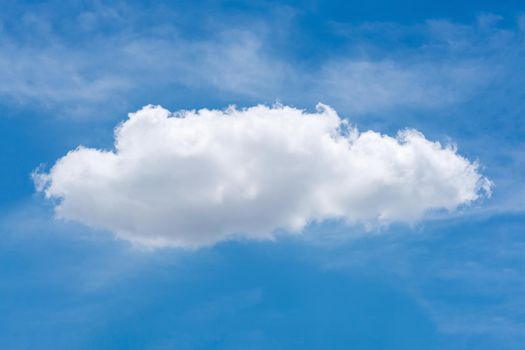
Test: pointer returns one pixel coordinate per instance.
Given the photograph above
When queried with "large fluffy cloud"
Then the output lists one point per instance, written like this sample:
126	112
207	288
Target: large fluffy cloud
193	178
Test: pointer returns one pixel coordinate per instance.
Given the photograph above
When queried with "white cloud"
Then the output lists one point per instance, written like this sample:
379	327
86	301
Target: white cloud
193	178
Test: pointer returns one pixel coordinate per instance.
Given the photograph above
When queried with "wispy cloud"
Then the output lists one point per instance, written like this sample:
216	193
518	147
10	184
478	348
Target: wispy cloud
69	77
114	58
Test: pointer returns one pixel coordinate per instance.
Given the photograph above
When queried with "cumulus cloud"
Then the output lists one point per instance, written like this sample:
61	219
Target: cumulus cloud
193	178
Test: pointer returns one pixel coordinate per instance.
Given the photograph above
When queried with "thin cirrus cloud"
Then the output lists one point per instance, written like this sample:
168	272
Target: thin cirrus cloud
44	67
194	178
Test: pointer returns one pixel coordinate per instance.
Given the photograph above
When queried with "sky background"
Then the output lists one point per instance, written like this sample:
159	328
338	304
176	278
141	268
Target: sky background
72	71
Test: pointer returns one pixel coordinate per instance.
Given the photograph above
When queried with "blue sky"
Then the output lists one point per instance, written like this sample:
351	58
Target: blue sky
451	280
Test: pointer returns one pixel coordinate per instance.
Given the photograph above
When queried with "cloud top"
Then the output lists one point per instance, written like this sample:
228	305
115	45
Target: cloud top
194	178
